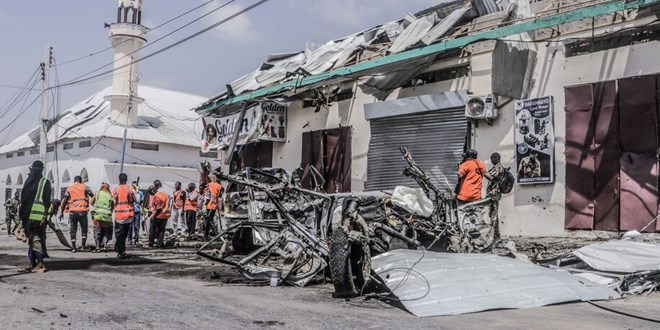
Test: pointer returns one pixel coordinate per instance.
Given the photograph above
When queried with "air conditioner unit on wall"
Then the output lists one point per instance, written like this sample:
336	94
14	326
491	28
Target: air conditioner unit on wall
481	107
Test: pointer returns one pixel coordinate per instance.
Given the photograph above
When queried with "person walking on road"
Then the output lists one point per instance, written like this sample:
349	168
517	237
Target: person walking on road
470	175
102	217
11	207
124	210
212	206
160	205
134	231
190	207
35	196
178	216
76	201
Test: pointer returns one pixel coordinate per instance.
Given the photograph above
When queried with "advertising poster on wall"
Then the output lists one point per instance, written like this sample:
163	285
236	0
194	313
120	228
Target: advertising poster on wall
535	141
265	121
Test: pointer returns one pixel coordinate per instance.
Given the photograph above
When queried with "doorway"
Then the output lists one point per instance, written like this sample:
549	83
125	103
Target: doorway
326	159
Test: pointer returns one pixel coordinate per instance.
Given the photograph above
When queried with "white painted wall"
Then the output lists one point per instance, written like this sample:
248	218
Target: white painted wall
538	210
174	163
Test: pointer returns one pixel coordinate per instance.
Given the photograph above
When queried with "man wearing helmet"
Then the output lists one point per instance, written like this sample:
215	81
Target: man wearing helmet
470	178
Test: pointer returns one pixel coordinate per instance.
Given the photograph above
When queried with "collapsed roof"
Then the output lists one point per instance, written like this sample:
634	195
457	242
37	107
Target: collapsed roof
414	30
387	56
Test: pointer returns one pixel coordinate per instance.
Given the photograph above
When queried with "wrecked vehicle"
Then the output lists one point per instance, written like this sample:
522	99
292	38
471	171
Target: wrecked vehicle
286	233
425	218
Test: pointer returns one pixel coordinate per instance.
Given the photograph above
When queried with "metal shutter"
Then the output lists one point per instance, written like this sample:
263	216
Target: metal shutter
435	139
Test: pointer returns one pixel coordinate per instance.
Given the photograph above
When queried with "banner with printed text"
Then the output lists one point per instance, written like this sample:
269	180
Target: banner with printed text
535	141
265	121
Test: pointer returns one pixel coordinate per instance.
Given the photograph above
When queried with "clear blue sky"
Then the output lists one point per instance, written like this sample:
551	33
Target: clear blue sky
202	66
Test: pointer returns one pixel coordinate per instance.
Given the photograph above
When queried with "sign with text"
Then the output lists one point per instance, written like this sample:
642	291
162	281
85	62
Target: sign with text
265	121
535	141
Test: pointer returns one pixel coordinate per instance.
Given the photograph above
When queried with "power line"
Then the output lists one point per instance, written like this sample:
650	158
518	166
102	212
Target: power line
155	41
17	100
194	35
14	87
22	112
23	90
158	26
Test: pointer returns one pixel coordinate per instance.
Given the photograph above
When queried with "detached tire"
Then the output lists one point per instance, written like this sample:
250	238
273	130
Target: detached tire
349	261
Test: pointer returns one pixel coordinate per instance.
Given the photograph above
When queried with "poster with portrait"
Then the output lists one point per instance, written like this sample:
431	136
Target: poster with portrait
265	121
535	141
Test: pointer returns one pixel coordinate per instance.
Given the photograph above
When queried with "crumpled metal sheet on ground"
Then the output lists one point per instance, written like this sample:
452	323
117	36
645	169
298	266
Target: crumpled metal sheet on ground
621	256
452	284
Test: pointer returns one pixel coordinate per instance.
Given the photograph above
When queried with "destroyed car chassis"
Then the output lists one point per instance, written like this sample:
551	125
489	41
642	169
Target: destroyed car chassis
344	231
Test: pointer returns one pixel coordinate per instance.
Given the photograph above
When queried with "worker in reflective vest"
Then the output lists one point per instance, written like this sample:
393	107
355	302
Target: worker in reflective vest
102	217
190	207
161	213
76	203
212	205
35	195
178	217
124	197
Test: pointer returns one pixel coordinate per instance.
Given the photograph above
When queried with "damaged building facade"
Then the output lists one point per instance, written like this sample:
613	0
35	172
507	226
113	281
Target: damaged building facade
566	92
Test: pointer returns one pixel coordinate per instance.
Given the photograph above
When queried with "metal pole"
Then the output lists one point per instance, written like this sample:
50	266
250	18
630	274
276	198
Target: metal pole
123	148
130	107
43	138
237	131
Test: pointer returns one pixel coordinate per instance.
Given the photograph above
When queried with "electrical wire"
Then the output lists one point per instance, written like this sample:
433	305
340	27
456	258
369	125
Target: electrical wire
21	113
11	126
150	30
624	313
166	48
130	55
24	90
14	87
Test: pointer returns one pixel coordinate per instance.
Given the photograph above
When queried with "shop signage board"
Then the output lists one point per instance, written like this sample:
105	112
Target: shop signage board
265	121
535	141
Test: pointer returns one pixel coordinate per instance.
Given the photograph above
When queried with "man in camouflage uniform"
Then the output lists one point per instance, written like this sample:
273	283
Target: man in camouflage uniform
494	176
11	206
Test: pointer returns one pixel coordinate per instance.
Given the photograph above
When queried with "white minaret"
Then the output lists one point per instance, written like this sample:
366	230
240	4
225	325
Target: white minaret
127	36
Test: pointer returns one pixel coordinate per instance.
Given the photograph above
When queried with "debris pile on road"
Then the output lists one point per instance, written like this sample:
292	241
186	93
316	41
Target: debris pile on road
627	266
285	248
289	233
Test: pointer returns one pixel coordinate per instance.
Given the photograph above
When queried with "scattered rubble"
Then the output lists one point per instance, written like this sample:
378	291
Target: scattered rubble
624	265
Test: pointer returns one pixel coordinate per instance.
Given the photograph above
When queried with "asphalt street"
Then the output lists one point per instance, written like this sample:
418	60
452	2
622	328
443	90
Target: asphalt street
174	289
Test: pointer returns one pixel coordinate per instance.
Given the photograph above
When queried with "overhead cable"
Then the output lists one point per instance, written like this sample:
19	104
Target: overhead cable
130	55
192	36
152	29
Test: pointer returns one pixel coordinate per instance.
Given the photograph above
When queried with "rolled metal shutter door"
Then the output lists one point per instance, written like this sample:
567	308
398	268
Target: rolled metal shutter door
435	140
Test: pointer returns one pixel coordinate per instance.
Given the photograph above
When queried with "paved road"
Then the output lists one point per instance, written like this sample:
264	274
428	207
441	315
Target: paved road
175	291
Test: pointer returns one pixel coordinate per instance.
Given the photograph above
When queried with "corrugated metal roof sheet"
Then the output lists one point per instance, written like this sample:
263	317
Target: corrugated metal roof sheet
412	34
432	284
428	26
621	256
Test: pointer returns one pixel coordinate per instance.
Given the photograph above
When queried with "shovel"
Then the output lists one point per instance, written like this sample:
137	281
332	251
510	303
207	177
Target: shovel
59	233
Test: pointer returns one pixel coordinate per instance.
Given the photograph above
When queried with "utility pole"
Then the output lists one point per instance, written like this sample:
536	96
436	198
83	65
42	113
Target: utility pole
45	76
130	107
